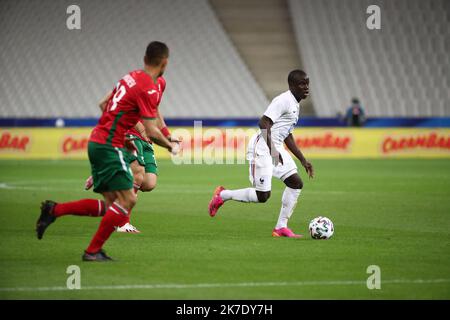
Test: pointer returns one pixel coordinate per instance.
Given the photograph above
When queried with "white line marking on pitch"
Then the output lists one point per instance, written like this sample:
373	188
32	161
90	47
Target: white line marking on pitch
223	285
13	187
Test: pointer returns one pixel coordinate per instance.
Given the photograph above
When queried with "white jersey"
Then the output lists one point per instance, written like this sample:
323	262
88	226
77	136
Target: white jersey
284	112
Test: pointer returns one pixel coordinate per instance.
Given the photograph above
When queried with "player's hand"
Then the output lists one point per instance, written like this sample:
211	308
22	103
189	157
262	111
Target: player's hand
308	167
175	148
277	158
179	140
129	144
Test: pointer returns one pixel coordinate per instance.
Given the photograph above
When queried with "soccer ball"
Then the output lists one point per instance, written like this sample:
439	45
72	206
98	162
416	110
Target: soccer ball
321	228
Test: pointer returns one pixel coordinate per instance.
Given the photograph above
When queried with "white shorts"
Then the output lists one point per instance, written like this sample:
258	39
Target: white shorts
261	168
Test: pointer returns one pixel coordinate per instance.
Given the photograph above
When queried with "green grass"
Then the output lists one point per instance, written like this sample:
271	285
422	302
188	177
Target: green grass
390	213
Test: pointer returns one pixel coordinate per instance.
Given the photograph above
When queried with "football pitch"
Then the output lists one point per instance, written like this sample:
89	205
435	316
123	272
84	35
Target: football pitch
394	214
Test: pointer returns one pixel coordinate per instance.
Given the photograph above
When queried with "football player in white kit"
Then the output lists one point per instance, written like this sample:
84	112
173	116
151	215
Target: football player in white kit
268	157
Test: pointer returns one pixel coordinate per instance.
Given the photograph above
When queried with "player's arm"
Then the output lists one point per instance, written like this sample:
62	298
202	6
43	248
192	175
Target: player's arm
161	143
141	129
149	113
163	127
292	146
151	129
265	124
160	120
104	101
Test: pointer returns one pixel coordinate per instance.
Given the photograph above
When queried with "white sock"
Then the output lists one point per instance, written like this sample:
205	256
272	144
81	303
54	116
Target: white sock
243	195
288	203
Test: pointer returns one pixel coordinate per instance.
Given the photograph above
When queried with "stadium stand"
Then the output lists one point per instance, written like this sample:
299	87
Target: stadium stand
401	70
262	32
50	71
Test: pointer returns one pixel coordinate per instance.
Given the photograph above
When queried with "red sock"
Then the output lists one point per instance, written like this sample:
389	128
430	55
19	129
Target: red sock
85	207
115	216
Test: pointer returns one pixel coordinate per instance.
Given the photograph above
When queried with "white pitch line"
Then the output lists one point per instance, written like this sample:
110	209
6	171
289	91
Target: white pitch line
224	285
5	186
11	187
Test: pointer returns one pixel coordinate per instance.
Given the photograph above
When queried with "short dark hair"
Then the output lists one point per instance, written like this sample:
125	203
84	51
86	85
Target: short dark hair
355	100
156	51
295	76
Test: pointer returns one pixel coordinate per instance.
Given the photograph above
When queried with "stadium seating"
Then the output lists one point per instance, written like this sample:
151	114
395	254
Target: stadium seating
401	70
50	71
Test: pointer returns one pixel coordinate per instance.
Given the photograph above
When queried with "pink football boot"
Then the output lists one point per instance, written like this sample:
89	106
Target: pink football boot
216	201
285	232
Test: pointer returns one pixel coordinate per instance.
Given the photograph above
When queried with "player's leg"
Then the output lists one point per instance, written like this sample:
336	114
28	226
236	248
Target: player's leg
145	171
244	195
116	215
104	162
289	199
136	160
83	207
138	164
260	175
109	197
288	174
114	180
151	169
51	210
149	183
138	175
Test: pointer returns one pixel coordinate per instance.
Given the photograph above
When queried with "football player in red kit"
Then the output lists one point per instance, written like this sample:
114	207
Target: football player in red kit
141	156
132	100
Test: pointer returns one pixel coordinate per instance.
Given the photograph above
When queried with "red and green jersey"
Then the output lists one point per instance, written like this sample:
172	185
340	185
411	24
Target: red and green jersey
161	85
135	96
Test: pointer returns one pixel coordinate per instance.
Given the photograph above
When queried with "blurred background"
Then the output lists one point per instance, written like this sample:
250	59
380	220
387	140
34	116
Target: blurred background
229	58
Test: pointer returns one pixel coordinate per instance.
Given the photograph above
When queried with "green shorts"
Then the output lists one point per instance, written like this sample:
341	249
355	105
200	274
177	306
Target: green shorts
144	155
110	170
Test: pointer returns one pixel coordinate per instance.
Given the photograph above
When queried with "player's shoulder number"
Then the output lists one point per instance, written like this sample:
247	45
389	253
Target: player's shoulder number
120	92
